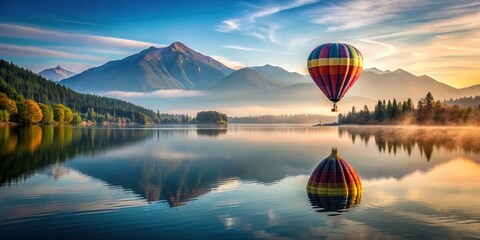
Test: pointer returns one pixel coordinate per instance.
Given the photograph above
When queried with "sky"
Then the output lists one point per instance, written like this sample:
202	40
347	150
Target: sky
440	39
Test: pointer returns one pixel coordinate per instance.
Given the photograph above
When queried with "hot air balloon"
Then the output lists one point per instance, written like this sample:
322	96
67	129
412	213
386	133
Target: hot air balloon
334	185
335	67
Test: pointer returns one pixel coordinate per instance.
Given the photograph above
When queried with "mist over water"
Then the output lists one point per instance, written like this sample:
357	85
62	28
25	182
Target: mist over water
289	100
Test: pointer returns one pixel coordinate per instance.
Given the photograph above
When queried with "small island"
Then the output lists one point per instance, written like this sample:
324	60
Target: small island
211	117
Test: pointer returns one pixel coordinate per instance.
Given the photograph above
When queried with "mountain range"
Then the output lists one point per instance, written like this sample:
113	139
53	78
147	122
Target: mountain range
180	67
246	79
56	74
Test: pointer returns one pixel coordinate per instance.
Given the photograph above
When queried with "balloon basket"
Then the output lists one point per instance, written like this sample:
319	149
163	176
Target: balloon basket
334	108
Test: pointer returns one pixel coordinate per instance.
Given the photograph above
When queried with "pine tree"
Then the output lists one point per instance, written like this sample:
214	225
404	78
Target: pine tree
395	113
378	113
429	101
388	111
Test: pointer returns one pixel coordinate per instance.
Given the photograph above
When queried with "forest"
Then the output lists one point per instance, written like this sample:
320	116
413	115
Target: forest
27	90
427	112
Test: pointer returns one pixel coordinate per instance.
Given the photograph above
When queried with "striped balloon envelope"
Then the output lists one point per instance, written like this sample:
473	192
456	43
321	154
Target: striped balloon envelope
334	184
335	67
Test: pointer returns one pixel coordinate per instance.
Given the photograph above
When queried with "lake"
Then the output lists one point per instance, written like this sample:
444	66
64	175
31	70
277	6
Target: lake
235	182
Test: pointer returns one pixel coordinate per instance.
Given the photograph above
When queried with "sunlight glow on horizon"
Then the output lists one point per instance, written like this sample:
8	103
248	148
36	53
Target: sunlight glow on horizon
411	34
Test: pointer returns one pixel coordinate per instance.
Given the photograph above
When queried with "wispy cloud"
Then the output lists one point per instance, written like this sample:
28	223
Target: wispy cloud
95	50
244	23
379	51
250	49
229	25
229	63
257	35
468	22
236	47
263	11
75	22
270	33
25	51
359	13
18	31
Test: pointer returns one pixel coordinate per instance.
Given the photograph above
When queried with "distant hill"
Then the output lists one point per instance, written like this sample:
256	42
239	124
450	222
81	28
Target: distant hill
56	74
20	83
376	70
402	85
280	75
173	67
246	79
470	91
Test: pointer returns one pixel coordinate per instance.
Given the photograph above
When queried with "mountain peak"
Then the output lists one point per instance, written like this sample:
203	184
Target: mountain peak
178	46
400	71
56	74
376	70
271	66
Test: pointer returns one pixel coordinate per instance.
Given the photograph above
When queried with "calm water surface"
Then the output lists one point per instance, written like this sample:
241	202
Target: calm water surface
244	181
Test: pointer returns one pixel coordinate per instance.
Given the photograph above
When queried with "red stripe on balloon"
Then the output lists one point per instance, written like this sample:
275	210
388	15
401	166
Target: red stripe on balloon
324	70
343	71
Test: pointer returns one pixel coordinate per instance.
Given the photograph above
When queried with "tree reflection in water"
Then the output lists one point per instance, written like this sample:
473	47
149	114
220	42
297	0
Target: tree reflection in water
393	139
27	149
213	132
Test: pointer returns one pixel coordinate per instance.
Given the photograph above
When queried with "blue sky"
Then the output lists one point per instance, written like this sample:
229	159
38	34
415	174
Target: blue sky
435	38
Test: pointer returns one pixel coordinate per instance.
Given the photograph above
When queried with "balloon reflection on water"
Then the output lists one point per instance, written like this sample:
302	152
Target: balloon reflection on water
334	185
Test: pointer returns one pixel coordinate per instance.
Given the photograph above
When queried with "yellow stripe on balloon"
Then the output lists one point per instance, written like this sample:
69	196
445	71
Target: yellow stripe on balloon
320	62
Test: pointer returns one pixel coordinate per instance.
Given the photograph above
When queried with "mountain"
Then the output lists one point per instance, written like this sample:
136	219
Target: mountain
402	85
279	74
376	70
56	74
19	84
173	67
246	79
470	91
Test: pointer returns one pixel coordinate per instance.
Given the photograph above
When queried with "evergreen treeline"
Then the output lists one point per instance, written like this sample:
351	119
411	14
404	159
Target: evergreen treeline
20	84
428	111
464	102
168	118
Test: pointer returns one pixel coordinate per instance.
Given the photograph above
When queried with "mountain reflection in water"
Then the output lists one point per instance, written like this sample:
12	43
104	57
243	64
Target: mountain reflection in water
179	164
245	181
